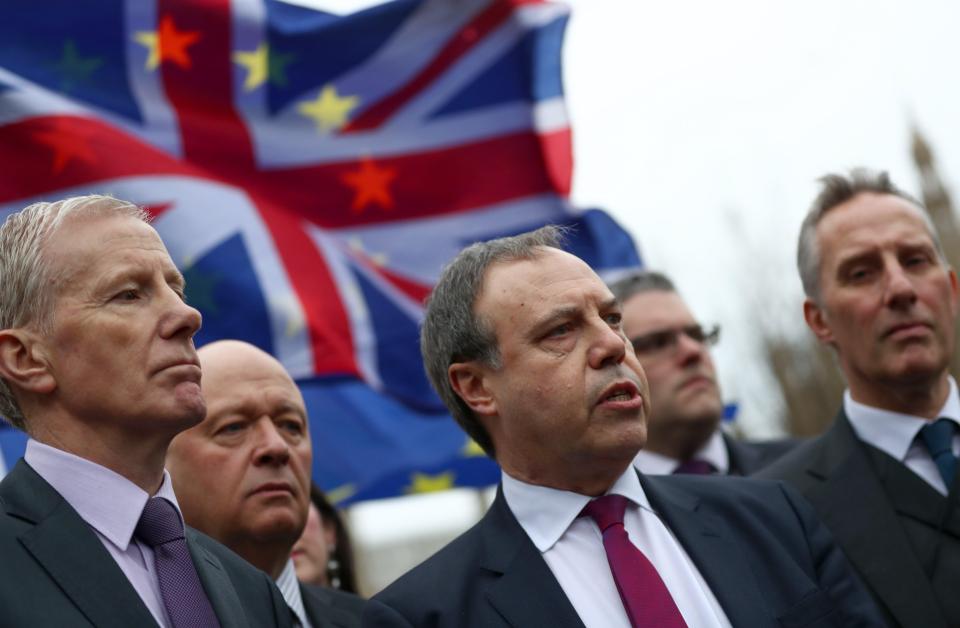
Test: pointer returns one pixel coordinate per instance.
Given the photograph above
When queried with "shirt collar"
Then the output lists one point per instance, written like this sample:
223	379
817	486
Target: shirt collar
290	590
546	513
894	432
107	501
714	452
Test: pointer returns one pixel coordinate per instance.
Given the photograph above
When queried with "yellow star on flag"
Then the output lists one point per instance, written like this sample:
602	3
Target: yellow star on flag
257	64
472	449
330	111
424	483
151	40
340	493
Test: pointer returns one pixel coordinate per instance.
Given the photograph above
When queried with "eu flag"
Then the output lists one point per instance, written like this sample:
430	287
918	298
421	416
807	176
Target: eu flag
310	174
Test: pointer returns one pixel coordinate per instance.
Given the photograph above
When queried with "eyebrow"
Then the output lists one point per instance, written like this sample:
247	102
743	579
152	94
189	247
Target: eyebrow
234	406
555	316
566	313
175	277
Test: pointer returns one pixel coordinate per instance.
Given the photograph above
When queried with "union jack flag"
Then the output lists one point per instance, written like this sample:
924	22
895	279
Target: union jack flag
310	174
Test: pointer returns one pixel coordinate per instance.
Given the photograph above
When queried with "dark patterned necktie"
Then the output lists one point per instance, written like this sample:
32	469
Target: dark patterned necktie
645	598
938	437
695	466
183	596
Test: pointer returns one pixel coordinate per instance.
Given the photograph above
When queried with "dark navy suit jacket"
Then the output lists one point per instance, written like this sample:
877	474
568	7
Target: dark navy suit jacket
891	524
330	607
766	557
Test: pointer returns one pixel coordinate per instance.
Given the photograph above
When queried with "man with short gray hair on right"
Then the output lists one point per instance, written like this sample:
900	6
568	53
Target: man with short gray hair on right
883	477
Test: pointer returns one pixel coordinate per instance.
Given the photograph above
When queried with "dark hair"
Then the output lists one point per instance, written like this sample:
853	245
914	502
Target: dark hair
341	573
640	281
838	189
453	333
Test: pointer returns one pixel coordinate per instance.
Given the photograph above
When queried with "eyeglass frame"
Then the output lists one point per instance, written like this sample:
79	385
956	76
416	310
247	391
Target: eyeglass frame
665	341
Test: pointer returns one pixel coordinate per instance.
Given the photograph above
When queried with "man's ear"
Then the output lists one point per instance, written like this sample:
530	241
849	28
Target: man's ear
23	362
468	380
816	319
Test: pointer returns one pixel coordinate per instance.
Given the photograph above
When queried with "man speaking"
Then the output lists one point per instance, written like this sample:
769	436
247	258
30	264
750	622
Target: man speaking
524	343
97	365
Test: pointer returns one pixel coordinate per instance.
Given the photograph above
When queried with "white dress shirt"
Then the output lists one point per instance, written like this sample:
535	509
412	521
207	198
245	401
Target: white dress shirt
714	452
572	547
896	434
111	504
290	590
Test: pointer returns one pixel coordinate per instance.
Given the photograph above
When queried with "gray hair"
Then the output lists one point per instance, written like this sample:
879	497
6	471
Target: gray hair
452	332
836	190
26	293
640	281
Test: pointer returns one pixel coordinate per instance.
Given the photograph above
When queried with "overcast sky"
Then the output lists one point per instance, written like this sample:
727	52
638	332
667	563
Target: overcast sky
702	126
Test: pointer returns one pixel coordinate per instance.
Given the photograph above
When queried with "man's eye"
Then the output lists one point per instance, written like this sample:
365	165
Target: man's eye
661	340
231	428
614	319
559	330
858	274
127	295
294	427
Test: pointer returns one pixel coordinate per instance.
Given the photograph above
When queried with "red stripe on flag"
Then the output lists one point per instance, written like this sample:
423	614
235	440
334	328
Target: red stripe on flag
458	45
29	166
558	156
415	290
426	184
202	94
330	335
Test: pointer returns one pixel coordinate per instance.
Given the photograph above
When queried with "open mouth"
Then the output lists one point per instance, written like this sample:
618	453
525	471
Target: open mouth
623	394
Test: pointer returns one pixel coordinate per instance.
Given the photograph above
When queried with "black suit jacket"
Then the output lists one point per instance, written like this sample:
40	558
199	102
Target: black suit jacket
763	553
330	607
835	473
748	457
55	571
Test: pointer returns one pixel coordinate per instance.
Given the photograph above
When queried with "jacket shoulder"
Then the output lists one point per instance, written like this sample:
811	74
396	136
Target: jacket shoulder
339	608
256	591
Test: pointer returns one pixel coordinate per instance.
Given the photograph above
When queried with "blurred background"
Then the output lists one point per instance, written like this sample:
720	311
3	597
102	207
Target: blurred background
699	127
702	128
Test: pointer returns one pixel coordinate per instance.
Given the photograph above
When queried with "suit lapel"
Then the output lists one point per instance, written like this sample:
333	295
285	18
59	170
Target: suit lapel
527	593
71	553
713	549
217	584
911	495
742	460
873	539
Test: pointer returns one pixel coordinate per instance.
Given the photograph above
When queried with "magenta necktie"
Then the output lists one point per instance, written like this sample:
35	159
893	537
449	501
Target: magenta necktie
646	599
183	596
695	466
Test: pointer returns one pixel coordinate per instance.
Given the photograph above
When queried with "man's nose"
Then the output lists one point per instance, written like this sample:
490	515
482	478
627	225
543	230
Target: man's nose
271	447
609	346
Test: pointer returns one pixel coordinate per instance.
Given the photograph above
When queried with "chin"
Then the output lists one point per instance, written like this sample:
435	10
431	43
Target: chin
279	526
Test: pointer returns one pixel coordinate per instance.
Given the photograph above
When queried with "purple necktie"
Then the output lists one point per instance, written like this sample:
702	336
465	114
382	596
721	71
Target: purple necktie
695	466
183	595
646	599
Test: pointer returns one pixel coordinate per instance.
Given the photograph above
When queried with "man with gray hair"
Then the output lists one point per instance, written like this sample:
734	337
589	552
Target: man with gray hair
97	365
883	477
524	342
683	431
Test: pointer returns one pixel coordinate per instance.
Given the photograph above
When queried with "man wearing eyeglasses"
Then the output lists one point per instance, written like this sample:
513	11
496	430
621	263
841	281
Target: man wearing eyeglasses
683	432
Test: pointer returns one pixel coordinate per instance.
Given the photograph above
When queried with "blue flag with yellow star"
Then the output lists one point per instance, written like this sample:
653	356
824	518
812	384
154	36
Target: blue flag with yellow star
310	173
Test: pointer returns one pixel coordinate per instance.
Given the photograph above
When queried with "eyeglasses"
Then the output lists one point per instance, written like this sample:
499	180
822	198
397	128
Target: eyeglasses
666	340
